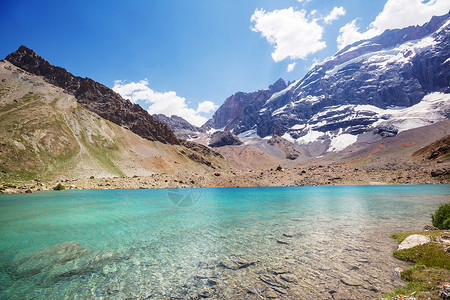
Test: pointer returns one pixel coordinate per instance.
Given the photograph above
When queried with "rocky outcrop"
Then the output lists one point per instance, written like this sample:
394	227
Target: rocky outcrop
413	241
182	128
198	152
224	138
239	112
285	146
436	150
95	97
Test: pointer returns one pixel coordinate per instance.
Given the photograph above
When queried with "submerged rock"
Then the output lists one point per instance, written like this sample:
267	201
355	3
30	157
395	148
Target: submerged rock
61	261
236	264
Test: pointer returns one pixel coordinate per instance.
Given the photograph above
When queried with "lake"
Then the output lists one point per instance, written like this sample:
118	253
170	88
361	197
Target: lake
226	243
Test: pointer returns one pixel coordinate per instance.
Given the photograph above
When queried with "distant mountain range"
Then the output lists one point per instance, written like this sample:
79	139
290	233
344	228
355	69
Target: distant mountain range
374	88
395	86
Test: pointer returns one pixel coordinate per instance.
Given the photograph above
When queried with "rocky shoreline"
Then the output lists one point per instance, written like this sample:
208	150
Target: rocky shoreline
330	175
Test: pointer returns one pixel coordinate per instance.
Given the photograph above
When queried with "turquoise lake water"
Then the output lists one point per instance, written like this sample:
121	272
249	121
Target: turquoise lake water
228	243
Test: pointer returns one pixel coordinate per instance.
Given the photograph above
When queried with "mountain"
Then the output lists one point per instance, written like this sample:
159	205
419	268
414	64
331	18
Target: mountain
95	97
239	112
182	128
46	133
372	89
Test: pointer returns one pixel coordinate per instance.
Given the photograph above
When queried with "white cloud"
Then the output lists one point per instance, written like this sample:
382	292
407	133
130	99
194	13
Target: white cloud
349	33
206	107
395	14
163	103
291	67
334	14
293	35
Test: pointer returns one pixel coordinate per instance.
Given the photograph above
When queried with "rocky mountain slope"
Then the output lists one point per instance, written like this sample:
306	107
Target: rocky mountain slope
439	150
239	112
182	128
95	97
45	133
372	89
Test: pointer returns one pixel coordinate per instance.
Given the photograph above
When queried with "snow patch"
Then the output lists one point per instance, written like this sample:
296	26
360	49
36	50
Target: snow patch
297	127
310	137
248	134
433	108
342	141
279	111
288	137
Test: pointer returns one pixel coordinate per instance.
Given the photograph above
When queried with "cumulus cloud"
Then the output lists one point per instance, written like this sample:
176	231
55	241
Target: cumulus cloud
349	33
168	103
206	107
291	32
395	14
334	14
291	67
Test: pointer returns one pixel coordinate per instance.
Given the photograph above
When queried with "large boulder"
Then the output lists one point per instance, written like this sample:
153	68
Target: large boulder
224	138
413	241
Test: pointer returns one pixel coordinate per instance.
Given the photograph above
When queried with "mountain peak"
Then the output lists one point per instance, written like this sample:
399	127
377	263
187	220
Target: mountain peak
279	85
26	56
95	97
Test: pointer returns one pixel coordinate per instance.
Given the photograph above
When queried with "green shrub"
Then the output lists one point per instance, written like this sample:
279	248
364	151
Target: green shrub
92	177
441	218
59	187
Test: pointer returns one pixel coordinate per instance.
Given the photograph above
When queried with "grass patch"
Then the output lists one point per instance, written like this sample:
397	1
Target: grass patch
431	266
401	236
429	254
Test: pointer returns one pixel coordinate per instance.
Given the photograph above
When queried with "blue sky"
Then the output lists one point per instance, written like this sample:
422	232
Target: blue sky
172	55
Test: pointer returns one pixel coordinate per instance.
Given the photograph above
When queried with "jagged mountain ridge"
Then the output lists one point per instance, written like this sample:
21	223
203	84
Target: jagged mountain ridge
237	113
359	91
95	97
182	128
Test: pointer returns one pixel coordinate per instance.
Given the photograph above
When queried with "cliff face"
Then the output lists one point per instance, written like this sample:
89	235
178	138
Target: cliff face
239	112
95	97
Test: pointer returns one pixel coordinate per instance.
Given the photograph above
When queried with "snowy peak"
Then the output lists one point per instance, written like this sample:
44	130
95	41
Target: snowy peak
371	89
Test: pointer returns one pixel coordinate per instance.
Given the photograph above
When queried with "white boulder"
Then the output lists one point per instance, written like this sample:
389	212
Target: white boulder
413	240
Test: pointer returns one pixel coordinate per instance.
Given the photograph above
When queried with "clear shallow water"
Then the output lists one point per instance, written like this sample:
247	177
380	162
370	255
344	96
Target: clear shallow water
298	243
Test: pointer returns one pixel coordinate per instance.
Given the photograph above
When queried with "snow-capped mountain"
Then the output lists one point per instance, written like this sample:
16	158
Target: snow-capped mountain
374	88
239	111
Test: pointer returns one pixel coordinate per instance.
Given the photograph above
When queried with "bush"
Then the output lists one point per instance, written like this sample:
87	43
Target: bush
441	218
59	187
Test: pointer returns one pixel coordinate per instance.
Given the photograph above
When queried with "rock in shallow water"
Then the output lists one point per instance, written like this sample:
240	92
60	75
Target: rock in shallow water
61	261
